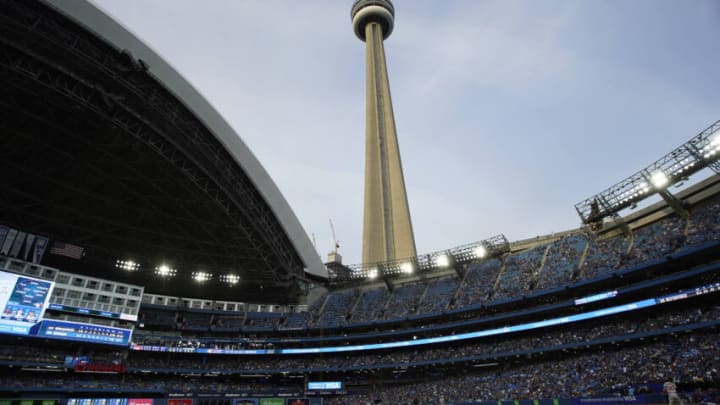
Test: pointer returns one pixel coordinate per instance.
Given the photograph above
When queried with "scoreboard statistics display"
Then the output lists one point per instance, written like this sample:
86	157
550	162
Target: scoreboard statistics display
84	332
23	301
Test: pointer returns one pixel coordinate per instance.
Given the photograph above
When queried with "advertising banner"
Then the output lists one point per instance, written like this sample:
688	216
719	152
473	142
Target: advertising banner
180	402
246	401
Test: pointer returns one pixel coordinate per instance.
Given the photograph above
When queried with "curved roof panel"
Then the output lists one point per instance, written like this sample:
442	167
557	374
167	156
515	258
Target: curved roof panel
103	25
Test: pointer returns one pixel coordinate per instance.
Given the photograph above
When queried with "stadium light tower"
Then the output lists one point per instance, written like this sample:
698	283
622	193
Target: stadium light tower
387	229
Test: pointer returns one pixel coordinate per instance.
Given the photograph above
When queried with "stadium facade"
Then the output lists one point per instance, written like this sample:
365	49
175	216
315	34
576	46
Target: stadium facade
603	314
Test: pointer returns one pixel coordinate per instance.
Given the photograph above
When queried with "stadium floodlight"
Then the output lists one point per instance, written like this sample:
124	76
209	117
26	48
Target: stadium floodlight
712	148
702	151
127	265
231	279
659	179
201	276
407	268
480	252
442	261
373	273
459	255
165	271
715	141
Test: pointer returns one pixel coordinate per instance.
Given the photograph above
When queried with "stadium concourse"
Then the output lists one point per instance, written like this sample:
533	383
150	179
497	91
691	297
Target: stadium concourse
91	315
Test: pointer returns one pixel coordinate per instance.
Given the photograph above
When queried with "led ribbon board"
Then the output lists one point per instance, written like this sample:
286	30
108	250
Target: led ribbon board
646	303
92	312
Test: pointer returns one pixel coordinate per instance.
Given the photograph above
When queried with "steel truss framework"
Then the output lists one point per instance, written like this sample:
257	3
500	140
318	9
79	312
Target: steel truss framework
68	94
700	152
428	263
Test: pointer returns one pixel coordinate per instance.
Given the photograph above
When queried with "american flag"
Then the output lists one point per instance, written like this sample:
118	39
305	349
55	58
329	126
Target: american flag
67	250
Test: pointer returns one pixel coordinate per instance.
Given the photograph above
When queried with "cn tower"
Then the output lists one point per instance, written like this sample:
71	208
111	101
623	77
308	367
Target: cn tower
387	229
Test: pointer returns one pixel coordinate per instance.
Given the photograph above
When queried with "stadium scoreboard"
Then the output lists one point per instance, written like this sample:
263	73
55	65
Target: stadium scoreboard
24	300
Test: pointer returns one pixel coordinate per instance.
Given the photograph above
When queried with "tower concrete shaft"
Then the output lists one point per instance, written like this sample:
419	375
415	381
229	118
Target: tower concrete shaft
387	229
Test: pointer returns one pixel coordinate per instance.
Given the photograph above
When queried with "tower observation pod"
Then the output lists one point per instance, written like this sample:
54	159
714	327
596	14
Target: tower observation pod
387	229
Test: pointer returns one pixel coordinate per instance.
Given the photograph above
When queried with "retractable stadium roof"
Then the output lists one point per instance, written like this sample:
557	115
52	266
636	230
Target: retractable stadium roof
108	147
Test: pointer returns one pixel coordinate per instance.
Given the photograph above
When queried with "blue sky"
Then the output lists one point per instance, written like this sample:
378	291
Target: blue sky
508	112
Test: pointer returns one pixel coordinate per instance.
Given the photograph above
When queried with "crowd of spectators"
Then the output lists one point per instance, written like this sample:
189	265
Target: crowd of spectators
33	354
689	359
640	367
656	240
295	321
132	382
29	353
404	300
510	345
337	308
704	225
371	303
438	294
603	256
562	262
519	273
479	282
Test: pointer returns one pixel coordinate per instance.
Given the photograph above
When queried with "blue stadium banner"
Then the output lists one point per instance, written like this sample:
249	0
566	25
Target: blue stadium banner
40	247
29	240
3	234
8	242
17	245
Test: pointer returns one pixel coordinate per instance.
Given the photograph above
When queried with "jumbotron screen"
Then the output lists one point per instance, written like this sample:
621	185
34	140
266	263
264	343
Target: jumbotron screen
23	301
